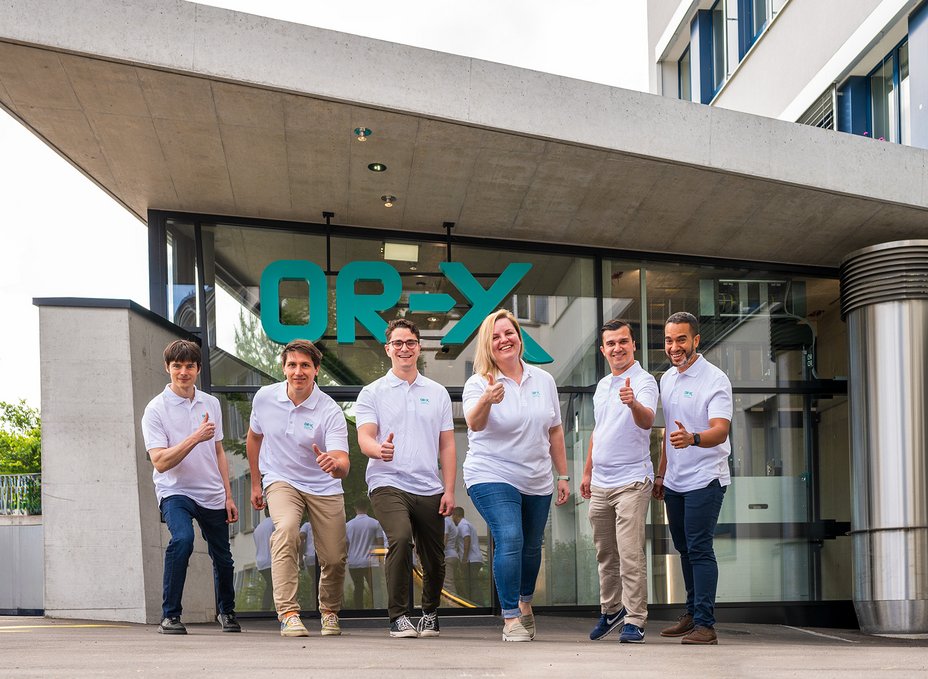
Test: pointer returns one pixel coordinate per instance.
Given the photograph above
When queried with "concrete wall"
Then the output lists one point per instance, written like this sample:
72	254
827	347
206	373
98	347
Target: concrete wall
21	581
104	542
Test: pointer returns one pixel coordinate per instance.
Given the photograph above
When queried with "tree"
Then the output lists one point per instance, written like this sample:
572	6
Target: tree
20	439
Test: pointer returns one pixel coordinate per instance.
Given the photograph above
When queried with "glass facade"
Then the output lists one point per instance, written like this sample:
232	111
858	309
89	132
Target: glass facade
777	334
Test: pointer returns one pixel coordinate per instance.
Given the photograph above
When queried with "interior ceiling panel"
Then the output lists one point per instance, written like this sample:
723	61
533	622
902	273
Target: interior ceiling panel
170	141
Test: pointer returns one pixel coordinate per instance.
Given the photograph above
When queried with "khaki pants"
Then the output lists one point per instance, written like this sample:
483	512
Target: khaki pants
286	505
617	516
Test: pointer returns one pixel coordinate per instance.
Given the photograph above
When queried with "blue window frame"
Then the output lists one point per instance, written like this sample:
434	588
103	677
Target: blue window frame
889	97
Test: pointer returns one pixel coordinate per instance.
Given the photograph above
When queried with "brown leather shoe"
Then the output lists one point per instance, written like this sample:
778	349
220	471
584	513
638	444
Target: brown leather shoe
680	628
701	635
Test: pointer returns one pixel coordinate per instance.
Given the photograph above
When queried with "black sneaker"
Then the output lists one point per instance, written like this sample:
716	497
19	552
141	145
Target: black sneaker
172	626
228	623
607	623
428	624
403	628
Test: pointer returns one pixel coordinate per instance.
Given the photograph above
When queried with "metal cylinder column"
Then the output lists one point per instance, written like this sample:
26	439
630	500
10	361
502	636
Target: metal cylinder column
884	299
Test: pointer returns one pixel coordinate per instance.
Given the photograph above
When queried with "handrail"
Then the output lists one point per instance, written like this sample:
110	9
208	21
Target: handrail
20	494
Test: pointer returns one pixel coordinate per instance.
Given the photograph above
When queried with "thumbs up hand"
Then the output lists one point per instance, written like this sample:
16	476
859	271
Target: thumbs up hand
206	430
627	394
680	438
495	391
326	462
387	448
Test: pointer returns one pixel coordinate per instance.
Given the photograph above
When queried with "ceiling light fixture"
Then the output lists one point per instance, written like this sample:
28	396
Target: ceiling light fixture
377	167
362	133
388	201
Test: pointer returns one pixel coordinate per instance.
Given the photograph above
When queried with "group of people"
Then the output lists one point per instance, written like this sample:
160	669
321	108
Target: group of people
297	448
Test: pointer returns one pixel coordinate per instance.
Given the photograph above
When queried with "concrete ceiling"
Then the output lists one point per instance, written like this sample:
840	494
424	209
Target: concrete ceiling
157	138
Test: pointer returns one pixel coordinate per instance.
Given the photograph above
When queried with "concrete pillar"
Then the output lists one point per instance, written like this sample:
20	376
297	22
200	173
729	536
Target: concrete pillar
884	299
101	362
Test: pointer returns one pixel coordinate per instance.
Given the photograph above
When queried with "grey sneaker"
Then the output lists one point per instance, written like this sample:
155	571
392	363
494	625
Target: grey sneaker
428	624
402	628
172	626
516	633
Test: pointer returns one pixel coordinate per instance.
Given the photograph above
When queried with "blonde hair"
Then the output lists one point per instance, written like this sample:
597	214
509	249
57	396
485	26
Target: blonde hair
483	352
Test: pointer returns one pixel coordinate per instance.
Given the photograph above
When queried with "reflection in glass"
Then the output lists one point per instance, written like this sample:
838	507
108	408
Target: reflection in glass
760	328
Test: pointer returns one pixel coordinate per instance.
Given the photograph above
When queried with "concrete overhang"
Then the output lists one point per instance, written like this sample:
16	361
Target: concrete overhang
178	106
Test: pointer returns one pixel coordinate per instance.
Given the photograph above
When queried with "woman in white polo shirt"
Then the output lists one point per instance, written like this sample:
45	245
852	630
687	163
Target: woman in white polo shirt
514	434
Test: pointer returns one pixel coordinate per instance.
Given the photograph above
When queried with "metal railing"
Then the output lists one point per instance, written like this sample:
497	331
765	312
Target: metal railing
20	494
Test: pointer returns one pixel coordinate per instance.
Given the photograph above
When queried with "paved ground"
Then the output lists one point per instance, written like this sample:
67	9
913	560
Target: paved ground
39	647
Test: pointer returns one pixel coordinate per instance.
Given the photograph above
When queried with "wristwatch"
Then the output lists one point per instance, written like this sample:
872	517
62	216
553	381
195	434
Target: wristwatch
696	439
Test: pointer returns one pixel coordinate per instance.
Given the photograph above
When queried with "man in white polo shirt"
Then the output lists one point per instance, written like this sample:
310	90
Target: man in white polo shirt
406	429
297	449
182	428
618	479
363	532
471	558
693	472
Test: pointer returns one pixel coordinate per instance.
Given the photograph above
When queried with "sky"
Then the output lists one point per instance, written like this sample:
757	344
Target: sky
62	236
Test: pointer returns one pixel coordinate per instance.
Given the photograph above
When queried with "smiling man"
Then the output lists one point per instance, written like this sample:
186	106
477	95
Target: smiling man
406	429
618	479
693	472
182	428
297	448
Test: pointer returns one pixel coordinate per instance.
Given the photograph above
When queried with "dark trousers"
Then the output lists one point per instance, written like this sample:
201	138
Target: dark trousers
408	519
692	517
179	512
358	577
267	599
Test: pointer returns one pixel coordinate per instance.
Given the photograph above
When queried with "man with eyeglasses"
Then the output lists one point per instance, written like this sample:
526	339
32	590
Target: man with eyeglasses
406	429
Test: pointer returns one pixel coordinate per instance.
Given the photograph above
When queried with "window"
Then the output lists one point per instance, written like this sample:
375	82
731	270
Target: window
684	79
889	97
755	16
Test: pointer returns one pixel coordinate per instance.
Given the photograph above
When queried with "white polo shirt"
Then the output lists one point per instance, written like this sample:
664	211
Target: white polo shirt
474	555
168	420
514	447
693	398
362	533
262	537
309	553
622	449
415	414
451	539
289	434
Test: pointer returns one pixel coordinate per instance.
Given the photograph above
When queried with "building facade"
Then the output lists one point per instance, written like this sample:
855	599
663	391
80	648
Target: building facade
323	184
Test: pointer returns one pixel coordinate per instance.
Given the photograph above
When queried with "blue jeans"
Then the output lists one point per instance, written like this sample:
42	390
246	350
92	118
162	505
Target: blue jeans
179	511
692	517
517	524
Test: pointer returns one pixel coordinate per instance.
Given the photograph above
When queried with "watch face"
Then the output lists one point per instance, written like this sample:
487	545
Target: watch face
696	439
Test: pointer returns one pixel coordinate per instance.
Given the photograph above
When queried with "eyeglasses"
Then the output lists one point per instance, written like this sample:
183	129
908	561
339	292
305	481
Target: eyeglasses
409	344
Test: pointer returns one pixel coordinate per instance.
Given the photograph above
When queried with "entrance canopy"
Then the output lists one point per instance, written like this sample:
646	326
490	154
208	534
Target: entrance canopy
178	106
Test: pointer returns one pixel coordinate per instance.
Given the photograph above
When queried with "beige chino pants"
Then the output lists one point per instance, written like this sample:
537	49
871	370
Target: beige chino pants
617	516
327	518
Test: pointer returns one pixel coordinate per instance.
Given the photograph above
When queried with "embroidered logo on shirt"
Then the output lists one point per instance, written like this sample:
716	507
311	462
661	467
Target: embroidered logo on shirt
424	400
308	425
536	394
687	393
